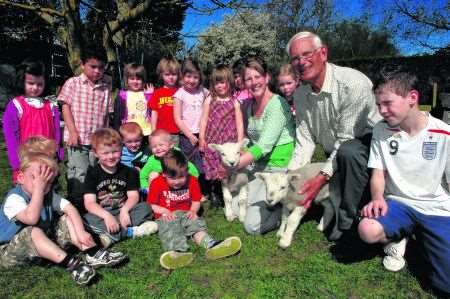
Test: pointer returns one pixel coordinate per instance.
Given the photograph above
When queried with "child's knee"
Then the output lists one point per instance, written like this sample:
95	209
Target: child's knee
20	250
370	230
37	233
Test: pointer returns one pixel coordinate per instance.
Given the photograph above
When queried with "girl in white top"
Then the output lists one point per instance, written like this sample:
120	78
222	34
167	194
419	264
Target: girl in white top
187	110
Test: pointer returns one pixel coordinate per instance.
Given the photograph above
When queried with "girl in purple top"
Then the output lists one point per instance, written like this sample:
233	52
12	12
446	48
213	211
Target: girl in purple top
221	122
29	113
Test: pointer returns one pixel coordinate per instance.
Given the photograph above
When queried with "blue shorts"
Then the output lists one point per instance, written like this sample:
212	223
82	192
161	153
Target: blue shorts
402	220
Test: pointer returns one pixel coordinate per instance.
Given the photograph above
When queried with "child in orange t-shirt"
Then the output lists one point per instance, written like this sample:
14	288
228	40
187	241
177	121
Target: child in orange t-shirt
162	101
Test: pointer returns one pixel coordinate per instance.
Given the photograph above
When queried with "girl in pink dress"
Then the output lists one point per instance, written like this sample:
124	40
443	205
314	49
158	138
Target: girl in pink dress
221	122
30	114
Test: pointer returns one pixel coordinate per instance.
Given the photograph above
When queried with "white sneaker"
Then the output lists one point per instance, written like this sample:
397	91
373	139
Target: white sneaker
145	229
105	258
394	261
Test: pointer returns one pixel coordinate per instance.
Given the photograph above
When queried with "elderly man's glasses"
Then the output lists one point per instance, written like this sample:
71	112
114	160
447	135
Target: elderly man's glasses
306	56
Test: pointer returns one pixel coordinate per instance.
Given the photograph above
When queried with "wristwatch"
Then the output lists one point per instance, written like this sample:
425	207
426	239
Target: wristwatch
326	175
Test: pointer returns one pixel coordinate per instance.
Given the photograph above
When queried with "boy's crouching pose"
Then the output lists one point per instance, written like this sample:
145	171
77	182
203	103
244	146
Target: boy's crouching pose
175	199
27	224
409	155
111	194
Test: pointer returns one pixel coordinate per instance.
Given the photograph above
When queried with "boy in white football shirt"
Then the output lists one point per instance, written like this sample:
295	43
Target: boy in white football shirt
409	155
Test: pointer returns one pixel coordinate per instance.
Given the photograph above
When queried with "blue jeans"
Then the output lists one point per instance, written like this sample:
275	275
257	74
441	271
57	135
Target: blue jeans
402	220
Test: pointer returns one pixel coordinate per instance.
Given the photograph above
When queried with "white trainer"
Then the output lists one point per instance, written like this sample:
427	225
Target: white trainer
394	261
145	229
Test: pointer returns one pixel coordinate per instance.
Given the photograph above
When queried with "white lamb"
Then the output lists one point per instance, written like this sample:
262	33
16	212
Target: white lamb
237	182
283	187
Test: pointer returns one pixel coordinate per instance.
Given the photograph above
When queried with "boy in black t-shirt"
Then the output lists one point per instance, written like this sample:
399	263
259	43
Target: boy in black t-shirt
111	194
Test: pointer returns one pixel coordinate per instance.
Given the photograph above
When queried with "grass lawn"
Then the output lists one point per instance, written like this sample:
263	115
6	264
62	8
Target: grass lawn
311	268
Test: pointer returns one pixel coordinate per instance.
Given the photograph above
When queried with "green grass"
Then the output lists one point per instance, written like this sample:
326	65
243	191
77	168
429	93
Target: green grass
311	268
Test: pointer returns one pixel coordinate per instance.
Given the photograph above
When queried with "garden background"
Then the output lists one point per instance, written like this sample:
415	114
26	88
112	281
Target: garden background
363	34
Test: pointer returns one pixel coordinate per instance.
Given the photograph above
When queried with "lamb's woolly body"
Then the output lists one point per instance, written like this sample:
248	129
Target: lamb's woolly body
237	182
282	188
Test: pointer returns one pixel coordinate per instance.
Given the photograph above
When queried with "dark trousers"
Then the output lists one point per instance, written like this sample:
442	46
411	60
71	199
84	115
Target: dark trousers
138	214
191	152
349	186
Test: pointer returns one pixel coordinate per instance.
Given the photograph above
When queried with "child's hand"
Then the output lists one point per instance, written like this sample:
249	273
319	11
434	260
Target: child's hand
202	145
86	240
193	140
74	139
124	217
191	215
111	224
41	178
375	208
149	88
168	216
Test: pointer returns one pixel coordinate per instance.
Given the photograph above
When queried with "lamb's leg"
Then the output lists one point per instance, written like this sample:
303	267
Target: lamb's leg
320	226
243	195
284	216
324	194
227	201
292	223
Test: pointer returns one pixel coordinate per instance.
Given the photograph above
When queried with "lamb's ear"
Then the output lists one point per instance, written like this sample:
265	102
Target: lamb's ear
244	142
213	146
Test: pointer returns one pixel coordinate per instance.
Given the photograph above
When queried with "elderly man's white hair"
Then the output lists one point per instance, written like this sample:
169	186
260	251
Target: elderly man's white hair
304	34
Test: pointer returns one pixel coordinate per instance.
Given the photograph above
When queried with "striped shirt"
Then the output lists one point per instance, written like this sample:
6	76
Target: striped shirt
89	104
344	109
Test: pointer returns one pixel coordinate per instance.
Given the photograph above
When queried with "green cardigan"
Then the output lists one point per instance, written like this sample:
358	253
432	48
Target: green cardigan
272	134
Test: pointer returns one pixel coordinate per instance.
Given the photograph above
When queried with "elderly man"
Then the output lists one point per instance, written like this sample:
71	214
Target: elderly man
335	107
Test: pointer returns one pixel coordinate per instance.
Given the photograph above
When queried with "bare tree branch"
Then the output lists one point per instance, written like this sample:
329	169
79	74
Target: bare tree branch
46	13
427	45
215	5
127	14
436	21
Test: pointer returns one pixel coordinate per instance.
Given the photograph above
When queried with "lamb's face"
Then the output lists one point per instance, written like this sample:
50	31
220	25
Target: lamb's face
230	152
277	186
